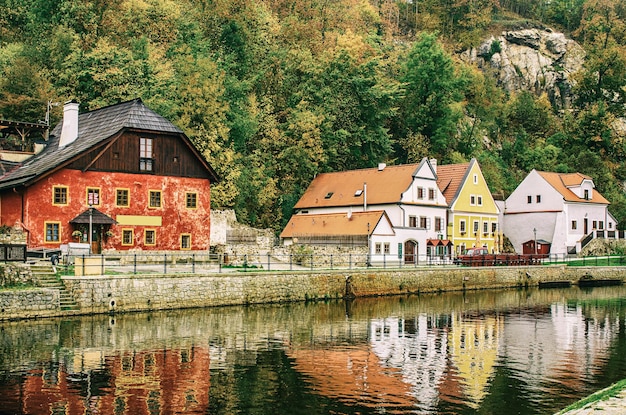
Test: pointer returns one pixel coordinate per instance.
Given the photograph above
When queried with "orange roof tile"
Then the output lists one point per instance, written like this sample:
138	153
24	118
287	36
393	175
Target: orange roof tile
333	224
449	179
561	181
339	188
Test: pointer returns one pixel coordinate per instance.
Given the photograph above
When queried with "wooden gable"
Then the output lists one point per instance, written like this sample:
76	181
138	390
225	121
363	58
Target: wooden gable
171	155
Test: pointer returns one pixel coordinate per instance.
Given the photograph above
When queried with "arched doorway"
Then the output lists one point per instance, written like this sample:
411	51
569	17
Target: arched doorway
410	252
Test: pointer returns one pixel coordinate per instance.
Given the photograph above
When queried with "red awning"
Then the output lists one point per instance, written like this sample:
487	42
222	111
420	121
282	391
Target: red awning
438	242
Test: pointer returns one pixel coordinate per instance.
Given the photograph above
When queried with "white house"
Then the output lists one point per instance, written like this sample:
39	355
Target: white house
407	194
559	208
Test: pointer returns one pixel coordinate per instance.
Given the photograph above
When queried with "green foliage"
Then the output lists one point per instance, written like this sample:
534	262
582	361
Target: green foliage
431	88
275	92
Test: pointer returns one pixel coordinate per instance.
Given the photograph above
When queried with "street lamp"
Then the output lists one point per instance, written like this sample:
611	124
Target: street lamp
535	244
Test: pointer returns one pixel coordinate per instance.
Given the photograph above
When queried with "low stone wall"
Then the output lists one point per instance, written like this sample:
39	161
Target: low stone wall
125	293
120	293
29	303
15	273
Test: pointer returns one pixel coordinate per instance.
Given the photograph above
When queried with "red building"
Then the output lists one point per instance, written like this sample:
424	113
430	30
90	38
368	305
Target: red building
124	172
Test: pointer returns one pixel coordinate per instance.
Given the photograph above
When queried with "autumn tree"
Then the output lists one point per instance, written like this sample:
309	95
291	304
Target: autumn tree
432	87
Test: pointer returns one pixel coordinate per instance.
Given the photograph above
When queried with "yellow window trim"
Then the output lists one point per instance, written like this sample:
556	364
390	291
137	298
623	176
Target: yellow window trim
145	239
160	199
181	241
128	191
67	195
99	195
45	232
191	193
132	233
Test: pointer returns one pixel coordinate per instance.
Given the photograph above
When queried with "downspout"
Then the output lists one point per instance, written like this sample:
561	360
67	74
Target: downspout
403	214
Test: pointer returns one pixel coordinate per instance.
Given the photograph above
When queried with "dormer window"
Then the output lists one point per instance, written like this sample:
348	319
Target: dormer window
146	163
586	194
358	193
329	195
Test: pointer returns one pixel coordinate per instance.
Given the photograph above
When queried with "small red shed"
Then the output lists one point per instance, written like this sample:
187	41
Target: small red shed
543	247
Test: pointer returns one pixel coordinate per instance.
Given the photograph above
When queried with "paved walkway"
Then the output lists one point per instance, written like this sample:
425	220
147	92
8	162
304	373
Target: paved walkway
615	405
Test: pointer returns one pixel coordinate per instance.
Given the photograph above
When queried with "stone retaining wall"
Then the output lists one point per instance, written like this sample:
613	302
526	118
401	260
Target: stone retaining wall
122	293
29	303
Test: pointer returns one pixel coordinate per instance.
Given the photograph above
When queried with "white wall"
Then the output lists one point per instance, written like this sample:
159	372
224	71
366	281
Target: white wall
519	227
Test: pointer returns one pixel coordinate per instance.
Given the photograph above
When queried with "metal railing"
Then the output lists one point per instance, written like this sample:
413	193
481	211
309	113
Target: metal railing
207	263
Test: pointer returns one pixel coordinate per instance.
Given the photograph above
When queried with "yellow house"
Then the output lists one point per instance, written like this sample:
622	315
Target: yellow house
472	215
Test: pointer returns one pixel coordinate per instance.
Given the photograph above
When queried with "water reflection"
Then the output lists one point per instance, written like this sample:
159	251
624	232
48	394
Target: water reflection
526	352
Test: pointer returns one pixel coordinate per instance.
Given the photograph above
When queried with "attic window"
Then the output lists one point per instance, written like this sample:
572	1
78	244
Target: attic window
328	195
145	154
358	193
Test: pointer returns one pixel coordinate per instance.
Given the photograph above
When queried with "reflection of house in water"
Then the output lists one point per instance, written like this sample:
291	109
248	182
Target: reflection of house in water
566	342
399	369
417	347
143	382
354	375
473	351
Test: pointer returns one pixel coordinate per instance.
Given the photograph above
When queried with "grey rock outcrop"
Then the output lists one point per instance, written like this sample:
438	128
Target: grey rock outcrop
536	60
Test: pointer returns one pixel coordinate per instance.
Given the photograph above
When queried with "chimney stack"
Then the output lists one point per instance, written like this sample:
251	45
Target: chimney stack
69	130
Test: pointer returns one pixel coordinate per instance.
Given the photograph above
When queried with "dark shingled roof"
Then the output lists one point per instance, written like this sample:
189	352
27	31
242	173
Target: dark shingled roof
93	127
97	218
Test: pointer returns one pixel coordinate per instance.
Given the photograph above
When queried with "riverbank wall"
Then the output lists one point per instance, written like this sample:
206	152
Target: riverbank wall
146	292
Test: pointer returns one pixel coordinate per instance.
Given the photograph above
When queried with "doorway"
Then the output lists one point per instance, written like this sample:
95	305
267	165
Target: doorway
410	252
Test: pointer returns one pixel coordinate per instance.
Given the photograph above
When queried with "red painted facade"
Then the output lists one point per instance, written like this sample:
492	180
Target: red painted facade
125	172
175	218
143	383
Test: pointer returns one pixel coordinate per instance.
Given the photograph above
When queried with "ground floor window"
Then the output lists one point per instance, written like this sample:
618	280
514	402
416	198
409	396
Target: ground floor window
53	231
378	248
150	237
127	237
185	241
387	248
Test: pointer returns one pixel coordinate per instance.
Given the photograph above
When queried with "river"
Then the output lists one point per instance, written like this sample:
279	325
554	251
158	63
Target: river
488	352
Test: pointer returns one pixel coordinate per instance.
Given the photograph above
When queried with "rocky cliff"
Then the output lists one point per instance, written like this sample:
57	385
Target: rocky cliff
537	60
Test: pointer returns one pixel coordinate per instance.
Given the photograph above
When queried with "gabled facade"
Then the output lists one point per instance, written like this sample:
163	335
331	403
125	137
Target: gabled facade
359	228
124	172
558	208
472	219
408	194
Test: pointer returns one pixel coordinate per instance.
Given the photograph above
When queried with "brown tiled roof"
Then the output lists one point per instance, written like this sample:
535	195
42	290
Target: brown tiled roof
561	181
338	189
333	224
450	177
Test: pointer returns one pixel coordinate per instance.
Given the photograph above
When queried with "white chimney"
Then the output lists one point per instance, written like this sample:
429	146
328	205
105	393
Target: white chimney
433	162
381	166
69	130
